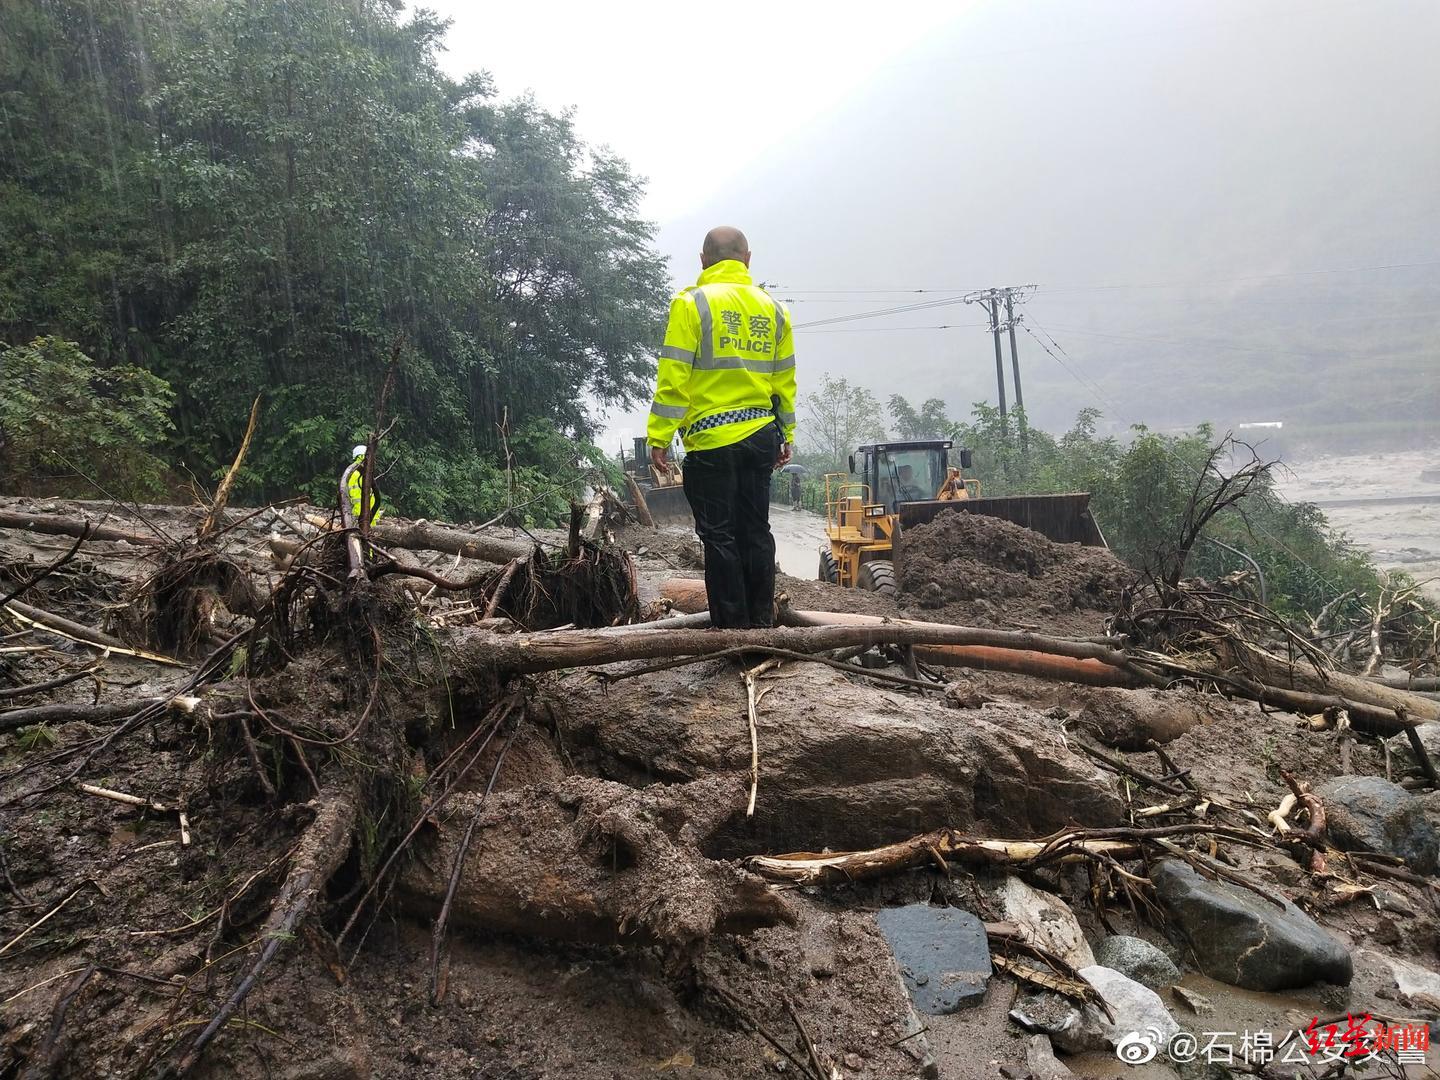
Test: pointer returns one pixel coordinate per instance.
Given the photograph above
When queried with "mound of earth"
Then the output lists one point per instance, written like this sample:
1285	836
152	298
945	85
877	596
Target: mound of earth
977	570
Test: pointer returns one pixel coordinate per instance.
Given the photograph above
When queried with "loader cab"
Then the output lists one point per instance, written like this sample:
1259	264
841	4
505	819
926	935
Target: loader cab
902	472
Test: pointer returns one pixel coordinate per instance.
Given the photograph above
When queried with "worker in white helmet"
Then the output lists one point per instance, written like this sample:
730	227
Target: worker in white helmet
357	473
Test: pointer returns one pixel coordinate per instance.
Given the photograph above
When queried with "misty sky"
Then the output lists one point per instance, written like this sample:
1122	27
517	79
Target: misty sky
1201	191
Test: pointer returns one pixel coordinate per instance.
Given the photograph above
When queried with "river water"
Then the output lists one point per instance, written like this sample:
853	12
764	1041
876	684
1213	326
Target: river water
1387	503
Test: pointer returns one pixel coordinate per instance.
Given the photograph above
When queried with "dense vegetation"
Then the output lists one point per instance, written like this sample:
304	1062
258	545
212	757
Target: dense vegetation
238	196
1139	487
1139	491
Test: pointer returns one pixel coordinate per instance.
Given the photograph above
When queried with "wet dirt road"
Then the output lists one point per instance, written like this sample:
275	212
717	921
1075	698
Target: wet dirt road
798	536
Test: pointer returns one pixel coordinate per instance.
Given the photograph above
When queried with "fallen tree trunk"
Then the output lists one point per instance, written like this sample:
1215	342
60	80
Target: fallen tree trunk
74	631
1371	719
56	525
935	848
64	714
1422	683
688	594
322	847
66	627
1345	690
685	594
943	845
422	536
1041	663
528	653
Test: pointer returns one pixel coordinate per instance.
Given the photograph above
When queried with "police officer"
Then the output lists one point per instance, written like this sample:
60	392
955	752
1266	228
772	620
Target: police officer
727	383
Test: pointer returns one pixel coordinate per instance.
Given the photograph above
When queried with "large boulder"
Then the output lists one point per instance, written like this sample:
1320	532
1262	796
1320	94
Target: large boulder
1367	813
1077	1028
595	861
1244	939
1137	959
942	952
843	764
1130	719
1043	920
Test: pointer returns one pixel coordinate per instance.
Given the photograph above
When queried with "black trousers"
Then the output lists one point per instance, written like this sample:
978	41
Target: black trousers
729	492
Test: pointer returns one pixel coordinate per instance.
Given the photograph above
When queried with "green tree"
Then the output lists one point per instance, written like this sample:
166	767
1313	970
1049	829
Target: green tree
66	424
837	418
929	422
1139	490
241	195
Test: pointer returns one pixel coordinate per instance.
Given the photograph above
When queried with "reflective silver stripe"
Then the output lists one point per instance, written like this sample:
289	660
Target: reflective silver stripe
779	324
734	363
786	417
707	326
674	352
669	412
785	363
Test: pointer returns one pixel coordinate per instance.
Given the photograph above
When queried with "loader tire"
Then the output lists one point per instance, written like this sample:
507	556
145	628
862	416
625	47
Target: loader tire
829	568
879	577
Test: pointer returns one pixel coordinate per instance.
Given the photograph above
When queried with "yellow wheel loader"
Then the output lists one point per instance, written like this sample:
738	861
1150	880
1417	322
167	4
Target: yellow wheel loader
663	493
904	484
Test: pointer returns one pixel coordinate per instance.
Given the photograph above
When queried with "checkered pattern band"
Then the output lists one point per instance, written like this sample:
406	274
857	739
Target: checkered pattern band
731	416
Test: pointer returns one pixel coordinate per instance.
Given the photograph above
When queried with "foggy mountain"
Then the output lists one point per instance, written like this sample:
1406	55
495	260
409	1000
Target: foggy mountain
1195	190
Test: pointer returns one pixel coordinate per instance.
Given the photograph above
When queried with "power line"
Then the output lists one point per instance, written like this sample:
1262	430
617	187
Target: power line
856	316
888	329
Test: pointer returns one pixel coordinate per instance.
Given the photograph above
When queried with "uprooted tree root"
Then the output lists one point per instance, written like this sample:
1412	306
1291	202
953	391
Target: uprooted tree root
182	608
314	726
590	586
318	725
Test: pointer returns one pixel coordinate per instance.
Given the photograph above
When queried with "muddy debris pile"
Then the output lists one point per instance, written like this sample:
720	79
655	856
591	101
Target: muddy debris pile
284	799
970	567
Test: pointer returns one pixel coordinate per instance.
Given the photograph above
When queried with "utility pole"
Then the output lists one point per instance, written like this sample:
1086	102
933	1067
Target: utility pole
1015	366
999	363
990	300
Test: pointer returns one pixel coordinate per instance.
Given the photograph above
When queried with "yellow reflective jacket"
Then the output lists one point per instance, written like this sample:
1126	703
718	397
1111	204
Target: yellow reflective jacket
356	483
728	350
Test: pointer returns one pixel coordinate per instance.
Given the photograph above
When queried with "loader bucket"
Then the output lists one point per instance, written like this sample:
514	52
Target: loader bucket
668	505
1065	519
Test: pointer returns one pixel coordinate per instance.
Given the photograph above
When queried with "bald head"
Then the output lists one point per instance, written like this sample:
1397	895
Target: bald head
724	242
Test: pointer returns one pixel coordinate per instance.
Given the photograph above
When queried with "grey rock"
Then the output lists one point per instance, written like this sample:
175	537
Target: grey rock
1044	921
1403	754
1137	959
879	770
1131	719
943	954
1243	939
1199	1004
1041	1061
1367	813
1078	1028
1420	985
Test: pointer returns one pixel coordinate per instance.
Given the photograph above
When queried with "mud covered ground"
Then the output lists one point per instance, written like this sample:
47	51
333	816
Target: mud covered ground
117	940
981	571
